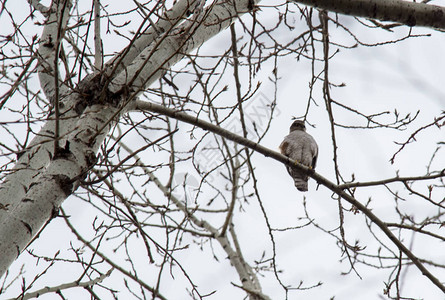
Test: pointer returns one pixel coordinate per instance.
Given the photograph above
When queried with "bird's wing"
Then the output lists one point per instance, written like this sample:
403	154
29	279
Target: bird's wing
284	148
314	148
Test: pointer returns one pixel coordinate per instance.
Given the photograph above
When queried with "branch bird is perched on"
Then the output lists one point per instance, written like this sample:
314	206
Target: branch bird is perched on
301	147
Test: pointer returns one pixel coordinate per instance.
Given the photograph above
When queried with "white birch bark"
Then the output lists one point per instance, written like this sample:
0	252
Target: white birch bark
33	191
38	200
38	6
164	25
38	154
54	29
167	50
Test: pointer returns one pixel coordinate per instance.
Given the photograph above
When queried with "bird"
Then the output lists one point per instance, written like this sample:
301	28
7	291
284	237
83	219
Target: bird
300	147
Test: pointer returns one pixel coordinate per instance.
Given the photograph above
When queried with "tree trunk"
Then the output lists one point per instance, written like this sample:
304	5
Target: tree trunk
41	180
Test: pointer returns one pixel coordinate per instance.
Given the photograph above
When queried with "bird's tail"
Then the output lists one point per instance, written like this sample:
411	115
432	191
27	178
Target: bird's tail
300	180
300	184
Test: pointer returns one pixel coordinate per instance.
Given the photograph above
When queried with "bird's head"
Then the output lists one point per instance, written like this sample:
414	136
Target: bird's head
297	125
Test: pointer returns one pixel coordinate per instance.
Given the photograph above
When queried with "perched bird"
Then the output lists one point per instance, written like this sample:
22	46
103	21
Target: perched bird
299	146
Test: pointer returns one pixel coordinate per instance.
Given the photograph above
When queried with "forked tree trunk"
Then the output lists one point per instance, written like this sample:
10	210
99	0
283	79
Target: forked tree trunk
41	179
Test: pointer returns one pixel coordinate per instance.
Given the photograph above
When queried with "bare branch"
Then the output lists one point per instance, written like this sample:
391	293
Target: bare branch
283	159
391	180
65	286
405	12
98	50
